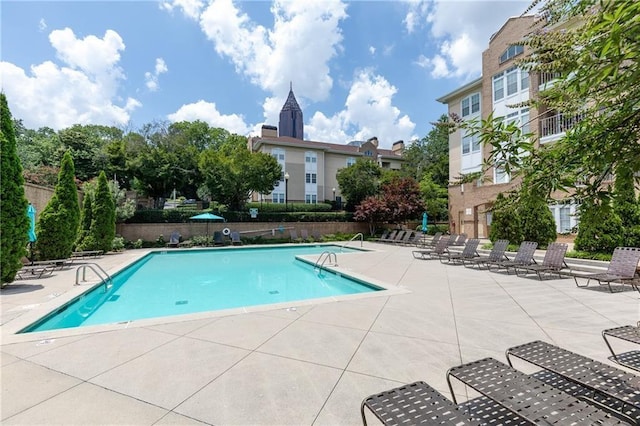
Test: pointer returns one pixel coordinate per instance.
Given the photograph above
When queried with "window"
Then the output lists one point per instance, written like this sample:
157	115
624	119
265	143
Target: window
311	198
470	143
498	87
278	154
310	157
524	121
278	197
351	161
565	218
470	104
524	79
311	178
368	153
511	52
512	81
500	175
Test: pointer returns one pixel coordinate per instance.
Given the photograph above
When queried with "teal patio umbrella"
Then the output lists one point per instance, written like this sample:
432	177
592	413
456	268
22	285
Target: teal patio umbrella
424	222
31	213
208	217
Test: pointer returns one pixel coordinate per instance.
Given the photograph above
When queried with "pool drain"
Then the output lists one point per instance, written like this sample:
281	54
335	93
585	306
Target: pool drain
274	292
182	302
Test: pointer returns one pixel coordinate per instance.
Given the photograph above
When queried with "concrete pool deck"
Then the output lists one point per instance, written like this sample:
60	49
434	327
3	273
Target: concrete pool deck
299	364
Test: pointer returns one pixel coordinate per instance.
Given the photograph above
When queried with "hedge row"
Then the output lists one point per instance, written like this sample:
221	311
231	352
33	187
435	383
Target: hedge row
183	215
291	207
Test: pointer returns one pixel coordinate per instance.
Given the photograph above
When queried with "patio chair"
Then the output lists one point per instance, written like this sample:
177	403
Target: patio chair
602	385
34	271
460	241
218	238
470	251
304	235
235	238
553	262
390	237
315	234
496	255
434	253
405	238
524	256
384	235
414	239
622	269
293	236
174	239
415	403
628	333
432	242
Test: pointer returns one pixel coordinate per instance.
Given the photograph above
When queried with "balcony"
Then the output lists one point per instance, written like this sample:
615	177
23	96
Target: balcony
555	126
547	79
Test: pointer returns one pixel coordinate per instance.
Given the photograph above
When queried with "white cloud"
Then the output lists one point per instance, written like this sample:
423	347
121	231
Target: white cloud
151	78
82	91
42	25
305	36
369	109
191	8
372	50
208	112
460	30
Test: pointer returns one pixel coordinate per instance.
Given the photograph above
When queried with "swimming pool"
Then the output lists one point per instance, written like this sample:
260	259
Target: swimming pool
188	281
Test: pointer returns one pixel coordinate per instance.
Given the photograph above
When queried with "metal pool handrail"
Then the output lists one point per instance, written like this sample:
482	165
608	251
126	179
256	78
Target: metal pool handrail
326	255
359	234
101	273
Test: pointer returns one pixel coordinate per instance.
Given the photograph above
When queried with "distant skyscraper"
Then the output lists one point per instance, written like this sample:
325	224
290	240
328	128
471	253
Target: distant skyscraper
291	117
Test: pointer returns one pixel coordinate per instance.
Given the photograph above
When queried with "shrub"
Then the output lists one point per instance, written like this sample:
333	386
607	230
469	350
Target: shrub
600	229
103	221
626	206
85	220
15	223
505	224
536	220
117	244
57	226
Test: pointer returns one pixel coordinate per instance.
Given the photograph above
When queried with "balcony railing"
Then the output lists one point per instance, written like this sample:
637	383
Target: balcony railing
548	77
557	124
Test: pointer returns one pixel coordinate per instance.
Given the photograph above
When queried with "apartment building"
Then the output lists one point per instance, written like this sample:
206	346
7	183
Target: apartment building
309	168
502	86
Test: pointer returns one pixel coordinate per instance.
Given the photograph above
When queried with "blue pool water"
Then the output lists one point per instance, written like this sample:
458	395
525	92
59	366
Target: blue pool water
188	281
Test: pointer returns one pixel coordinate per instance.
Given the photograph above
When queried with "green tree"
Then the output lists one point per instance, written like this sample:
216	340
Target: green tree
57	226
600	229
13	204
627	206
232	173
87	146
505	223
436	198
536	220
86	216
103	218
125	207
359	181
430	155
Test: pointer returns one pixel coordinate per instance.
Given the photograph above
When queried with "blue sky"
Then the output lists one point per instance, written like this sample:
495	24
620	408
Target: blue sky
359	69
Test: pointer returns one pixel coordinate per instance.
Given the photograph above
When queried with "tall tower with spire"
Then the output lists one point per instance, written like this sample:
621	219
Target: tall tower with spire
291	117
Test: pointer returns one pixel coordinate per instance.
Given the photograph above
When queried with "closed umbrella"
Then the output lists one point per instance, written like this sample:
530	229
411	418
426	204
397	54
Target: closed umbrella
424	222
31	213
208	217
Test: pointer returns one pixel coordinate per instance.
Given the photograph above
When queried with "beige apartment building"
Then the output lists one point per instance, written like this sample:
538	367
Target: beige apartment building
309	168
502	86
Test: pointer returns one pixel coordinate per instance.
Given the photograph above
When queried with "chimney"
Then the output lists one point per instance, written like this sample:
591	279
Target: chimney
374	141
269	131
398	147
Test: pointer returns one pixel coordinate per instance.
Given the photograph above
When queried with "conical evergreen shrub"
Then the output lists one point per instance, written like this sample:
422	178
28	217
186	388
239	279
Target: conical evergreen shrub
536	220
57	226
85	221
103	223
627	206
600	229
505	223
14	225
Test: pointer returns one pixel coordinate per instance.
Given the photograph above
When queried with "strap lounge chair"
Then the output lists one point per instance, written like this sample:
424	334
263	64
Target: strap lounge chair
316	235
622	269
607	387
628	333
389	237
293	236
304	235
432	242
526	396
218	238
408	235
415	403
35	271
553	262
434	253
496	255
470	251
460	241
524	256
174	239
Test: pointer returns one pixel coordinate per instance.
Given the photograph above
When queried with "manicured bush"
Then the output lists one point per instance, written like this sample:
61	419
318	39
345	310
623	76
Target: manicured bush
14	225
627	206
57	226
103	221
182	216
86	216
536	220
600	229
291	207
505	223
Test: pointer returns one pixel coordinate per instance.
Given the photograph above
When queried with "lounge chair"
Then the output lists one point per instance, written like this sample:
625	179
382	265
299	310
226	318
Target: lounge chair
470	251
293	236
628	333
405	238
87	253
235	238
622	268
34	271
390	237
434	253
384	235
496	255
460	241
315	234
533	400
218	238
524	256
553	262
412	404
304	235
432	242
174	239
603	385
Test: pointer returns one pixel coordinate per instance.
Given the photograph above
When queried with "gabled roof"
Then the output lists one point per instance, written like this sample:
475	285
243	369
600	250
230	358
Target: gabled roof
323	146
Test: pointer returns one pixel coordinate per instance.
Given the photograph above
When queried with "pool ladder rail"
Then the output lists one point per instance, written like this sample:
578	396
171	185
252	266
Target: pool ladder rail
324	257
97	269
359	234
